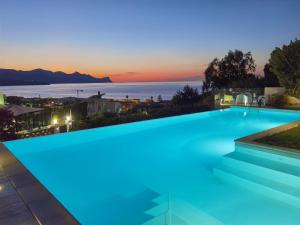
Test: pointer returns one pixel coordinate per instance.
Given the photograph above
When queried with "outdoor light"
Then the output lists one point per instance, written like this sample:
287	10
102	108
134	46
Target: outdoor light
68	121
1	187
68	118
54	122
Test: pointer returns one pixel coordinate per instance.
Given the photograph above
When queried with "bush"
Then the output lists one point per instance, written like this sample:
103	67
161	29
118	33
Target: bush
186	96
284	63
7	125
277	101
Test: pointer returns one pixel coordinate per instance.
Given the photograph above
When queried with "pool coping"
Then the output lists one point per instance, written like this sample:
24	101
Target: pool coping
265	108
43	206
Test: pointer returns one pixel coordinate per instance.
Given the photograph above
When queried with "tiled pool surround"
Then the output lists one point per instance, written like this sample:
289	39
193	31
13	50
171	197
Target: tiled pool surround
41	204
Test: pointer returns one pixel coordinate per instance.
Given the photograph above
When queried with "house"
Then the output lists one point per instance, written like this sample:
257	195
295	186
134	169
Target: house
102	105
28	118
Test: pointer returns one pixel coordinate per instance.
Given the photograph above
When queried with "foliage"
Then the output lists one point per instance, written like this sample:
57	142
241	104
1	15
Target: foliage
277	101
187	100
285	64
7	125
186	96
271	79
152	111
79	110
102	120
235	69
159	98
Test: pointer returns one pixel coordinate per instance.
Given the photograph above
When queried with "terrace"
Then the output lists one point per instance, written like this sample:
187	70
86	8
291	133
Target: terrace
237	168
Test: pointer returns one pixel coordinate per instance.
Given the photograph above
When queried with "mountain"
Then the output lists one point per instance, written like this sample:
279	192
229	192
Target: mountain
40	77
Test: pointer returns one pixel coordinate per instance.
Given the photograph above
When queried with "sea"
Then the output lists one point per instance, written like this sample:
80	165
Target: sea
141	90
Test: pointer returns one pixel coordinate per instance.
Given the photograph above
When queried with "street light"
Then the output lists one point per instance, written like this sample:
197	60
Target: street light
68	121
54	122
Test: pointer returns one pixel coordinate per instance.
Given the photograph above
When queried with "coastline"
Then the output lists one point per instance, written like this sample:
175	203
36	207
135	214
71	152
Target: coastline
142	90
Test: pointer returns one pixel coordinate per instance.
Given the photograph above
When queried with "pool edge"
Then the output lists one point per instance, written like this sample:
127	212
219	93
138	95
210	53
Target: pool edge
44	207
251	140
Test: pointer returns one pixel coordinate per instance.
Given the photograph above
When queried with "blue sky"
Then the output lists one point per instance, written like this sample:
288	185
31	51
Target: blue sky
140	40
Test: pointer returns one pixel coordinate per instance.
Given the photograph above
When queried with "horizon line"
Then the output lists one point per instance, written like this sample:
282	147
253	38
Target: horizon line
189	78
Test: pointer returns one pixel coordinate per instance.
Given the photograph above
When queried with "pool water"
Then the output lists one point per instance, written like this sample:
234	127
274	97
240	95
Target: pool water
156	172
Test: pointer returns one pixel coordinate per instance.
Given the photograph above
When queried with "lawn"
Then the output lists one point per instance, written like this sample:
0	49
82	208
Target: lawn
289	138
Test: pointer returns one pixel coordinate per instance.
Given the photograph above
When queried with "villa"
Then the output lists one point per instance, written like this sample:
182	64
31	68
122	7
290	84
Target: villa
148	112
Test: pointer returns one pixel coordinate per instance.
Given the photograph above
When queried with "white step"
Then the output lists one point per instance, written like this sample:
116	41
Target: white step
193	215
185	211
160	199
248	181
158	210
166	219
159	220
290	158
279	172
266	181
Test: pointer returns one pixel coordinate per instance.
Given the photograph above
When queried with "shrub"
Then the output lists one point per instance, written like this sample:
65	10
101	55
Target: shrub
277	101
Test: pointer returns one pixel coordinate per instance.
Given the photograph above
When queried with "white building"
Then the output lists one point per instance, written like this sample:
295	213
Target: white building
95	106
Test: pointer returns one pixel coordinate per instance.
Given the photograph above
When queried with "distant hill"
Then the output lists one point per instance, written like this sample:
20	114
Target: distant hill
44	77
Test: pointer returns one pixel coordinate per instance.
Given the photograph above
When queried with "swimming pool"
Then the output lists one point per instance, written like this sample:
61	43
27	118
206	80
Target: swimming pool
155	171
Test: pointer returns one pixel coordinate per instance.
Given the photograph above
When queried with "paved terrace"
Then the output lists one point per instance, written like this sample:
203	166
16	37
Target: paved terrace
24	200
12	208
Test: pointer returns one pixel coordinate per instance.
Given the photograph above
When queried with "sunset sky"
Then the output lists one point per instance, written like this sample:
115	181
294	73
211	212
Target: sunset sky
140	40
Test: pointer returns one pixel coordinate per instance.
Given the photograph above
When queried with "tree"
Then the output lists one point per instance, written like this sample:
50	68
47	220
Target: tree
7	125
159	98
186	96
270	79
235	68
285	64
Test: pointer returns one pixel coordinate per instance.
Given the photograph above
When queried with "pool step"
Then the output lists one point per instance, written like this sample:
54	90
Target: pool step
161	199
166	219
289	158
181	211
271	176
273	170
158	210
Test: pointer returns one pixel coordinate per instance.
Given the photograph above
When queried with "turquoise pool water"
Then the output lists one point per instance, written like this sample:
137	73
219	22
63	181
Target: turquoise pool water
134	173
